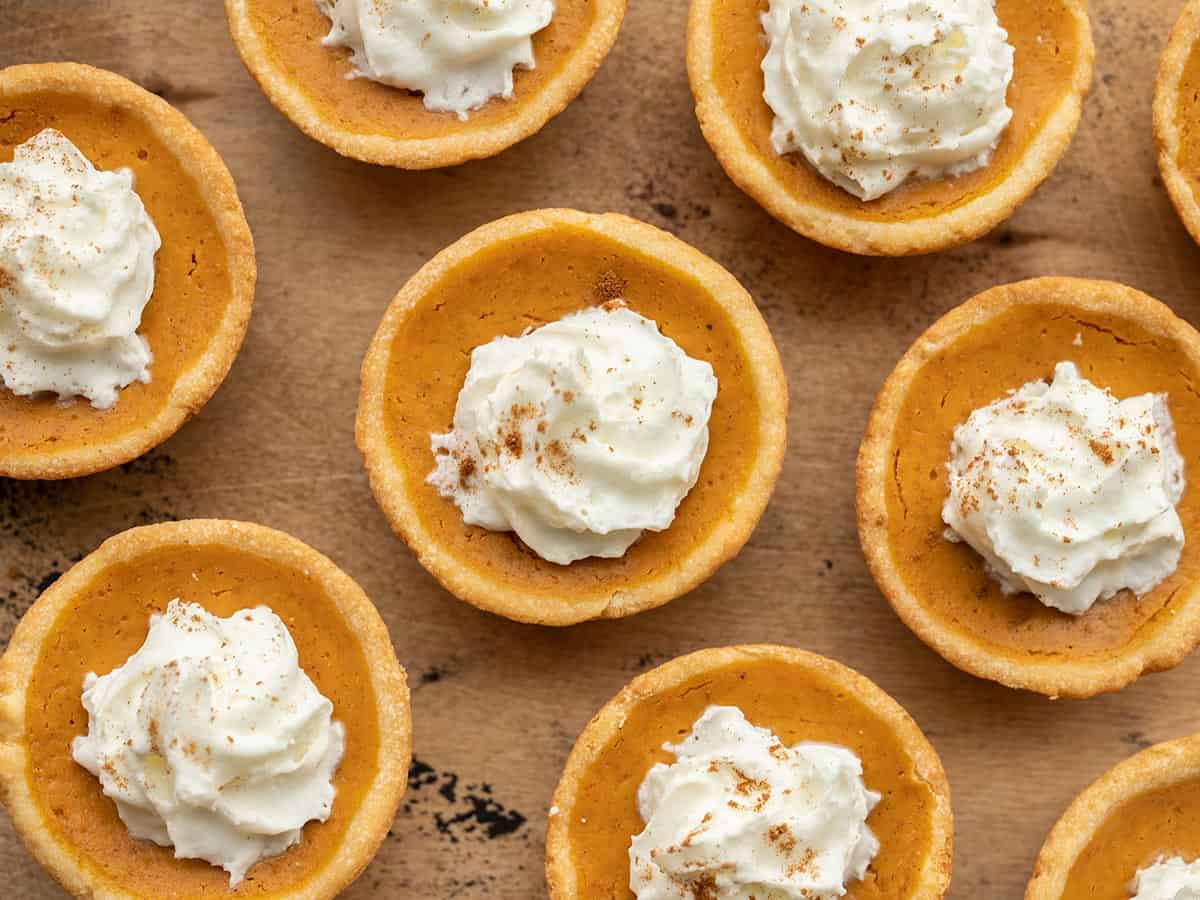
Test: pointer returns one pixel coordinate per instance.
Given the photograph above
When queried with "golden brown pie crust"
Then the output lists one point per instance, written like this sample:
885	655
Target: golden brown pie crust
1121	339
798	695
279	41
1144	808
97	615
1177	117
523	271
1053	72
204	272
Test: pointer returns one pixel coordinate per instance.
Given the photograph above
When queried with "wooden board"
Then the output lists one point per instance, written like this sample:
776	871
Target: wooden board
498	705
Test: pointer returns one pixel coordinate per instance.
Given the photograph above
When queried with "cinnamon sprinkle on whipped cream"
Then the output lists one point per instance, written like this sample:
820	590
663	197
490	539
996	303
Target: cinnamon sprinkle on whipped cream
1068	492
578	435
212	739
876	93
738	814
76	272
458	53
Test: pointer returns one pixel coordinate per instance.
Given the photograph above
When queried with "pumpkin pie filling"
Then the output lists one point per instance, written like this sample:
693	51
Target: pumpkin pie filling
797	704
1157	823
1045	35
524	282
103	625
291	32
1187	119
192	272
982	364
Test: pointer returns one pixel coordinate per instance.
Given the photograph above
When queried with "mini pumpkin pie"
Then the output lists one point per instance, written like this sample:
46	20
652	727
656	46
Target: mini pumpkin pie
1177	117
126	271
571	416
731	771
1135	833
263	725
422	84
1022	503
892	134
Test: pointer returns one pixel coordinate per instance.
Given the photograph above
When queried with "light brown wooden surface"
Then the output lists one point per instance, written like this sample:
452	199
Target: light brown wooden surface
498	705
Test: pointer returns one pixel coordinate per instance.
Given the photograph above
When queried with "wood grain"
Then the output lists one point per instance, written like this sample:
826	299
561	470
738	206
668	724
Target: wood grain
498	705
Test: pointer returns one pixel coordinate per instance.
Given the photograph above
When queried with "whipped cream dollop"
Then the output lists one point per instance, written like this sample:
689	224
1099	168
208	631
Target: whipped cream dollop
458	53
1168	879
1068	492
212	739
874	92
76	271
740	815
578	435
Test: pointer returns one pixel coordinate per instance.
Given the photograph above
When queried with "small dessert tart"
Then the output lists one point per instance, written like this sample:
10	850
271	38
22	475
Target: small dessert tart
257	743
420	84
1177	117
571	416
751	771
894	133
1023	504
1132	835
126	271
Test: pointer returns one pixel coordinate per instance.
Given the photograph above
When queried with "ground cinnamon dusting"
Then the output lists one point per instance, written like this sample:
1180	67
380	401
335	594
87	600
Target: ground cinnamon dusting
1102	450
696	832
466	468
609	286
510	428
748	786
111	770
781	836
803	865
559	459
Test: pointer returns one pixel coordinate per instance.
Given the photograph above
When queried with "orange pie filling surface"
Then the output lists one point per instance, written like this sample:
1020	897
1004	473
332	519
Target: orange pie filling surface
1187	119
1158	823
1045	36
291	33
978	369
526	282
104	624
191	274
795	703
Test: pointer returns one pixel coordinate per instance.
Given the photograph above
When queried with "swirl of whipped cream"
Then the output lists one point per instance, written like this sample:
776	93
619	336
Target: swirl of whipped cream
212	739
1068	492
578	435
458	53
1168	879
76	271
874	92
740	815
